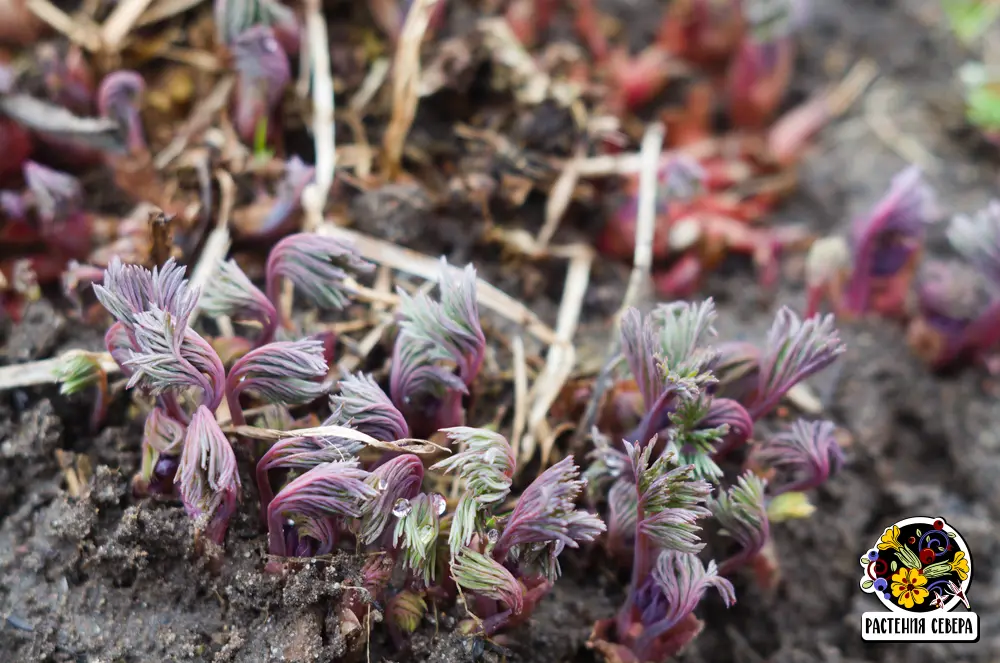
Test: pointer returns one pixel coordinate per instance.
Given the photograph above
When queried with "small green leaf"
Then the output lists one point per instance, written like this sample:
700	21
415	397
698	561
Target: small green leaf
918	532
893	566
940	548
951	534
867	584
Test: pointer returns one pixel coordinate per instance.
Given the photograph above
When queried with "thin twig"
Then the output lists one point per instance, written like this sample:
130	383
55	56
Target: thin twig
323	103
200	119
78	29
561	357
405	83
559	200
217	245
652	144
407	445
121	21
165	9
418	264
520	395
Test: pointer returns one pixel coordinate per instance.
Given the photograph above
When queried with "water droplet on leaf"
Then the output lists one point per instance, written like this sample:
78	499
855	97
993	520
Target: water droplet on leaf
493	536
402	507
440	503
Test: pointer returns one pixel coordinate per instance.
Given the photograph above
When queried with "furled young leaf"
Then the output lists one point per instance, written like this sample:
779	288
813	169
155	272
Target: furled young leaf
56	195
77	371
483	575
795	350
230	292
449	330
170	357
807	452
208	477
670	499
263	73
428	394
303	454
327	490
396	479
486	466
162	443
361	404
118	99
317	265
234	17
977	238
682	580
546	512
743	516
128	290
623	503
416	533
685	330
885	242
286	372
729	413
640	345
288	197
406	610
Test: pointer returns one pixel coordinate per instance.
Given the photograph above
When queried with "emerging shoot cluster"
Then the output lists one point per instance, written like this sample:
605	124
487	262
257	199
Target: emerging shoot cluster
699	404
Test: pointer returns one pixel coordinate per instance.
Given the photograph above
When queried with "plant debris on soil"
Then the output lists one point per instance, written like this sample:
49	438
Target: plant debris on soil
495	167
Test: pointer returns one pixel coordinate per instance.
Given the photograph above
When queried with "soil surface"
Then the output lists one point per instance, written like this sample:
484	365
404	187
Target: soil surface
102	577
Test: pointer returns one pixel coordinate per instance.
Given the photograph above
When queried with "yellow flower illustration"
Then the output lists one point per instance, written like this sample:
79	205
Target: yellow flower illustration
908	587
960	565
890	539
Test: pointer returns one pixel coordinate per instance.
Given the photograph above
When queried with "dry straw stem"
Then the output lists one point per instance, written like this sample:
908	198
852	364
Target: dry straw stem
373	82
405	83
405	445
520	395
45	371
561	357
425	267
120	23
217	246
559	199
652	145
165	9
80	29
200	120
323	103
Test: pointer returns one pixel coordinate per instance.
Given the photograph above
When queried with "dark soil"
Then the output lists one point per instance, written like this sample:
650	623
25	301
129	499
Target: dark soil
102	577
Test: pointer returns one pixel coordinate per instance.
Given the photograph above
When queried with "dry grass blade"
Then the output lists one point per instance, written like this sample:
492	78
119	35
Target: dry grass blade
406	83
561	357
323	104
520	395
78	29
45	371
652	145
377	74
405	445
418	264
120	23
165	9
559	200
200	119
217	245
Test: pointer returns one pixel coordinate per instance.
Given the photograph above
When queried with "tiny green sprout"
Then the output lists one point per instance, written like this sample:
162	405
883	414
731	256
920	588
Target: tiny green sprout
78	370
982	96
261	152
792	505
969	19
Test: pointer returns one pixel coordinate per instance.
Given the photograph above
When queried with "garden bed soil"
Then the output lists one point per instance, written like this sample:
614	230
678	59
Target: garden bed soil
102	577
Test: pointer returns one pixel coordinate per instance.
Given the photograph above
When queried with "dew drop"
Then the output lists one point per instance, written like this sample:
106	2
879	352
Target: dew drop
493	536
382	483
402	507
440	503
